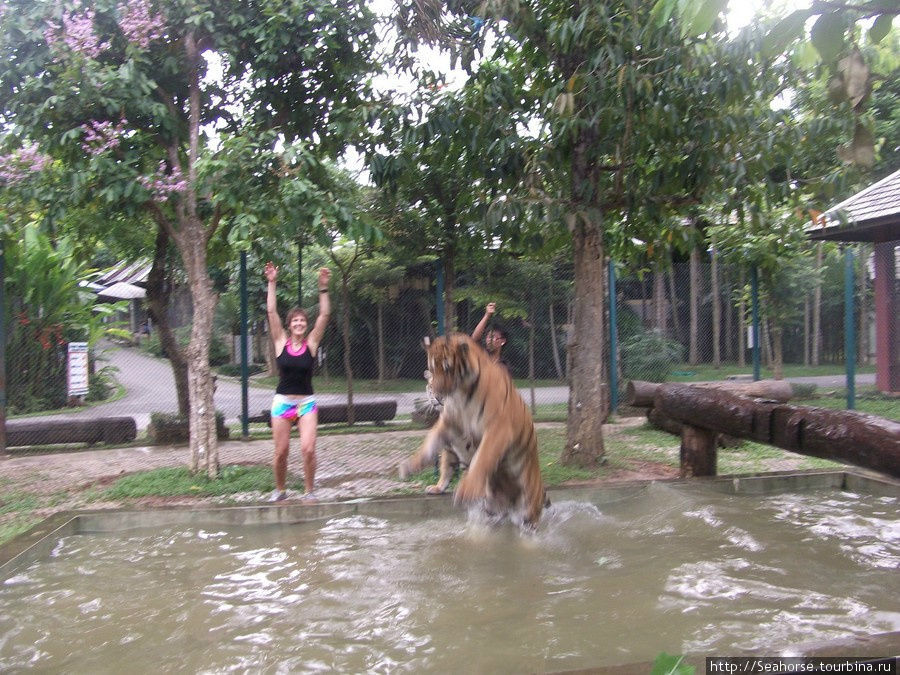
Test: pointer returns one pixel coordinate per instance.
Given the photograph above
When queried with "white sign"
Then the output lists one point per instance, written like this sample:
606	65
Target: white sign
78	368
750	335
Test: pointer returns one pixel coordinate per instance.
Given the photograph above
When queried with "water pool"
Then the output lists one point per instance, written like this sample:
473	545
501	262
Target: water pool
616	578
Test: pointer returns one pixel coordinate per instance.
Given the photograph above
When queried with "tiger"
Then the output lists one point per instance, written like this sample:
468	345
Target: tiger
488	427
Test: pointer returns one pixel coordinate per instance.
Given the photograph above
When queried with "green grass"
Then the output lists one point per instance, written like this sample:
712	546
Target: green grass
684	372
18	501
171	482
870	402
17	512
13	528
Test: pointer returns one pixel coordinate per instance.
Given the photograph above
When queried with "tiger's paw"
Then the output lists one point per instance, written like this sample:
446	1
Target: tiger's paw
435	490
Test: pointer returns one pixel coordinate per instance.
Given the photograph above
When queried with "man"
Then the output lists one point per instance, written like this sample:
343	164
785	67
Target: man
495	338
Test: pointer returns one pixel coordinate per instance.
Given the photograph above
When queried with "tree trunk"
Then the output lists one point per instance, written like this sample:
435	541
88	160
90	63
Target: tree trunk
380	321
202	418
554	342
729	317
694	349
817	309
673	296
807	337
531	357
345	336
659	299
159	288
587	407
767	344
742	323
777	352
716	308
449	290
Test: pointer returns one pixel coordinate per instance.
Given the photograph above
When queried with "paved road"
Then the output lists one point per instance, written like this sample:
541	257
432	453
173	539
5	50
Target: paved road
150	388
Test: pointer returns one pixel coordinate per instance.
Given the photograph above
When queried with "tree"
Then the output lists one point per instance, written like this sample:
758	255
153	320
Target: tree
448	157
638	122
123	95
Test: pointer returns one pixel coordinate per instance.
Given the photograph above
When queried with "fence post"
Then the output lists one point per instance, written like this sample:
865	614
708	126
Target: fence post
754	310
439	299
849	328
245	371
613	332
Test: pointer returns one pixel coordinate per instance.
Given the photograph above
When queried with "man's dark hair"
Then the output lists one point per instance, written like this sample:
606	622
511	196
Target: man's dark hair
499	330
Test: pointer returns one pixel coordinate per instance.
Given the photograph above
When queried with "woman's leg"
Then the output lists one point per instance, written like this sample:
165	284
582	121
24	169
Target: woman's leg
308	431
281	434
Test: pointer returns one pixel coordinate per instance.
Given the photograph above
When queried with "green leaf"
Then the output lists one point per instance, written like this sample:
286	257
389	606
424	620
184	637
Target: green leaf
880	28
671	664
828	35
707	12
662	12
784	31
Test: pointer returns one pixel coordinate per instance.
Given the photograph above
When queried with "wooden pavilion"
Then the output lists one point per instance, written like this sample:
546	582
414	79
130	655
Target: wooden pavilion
873	216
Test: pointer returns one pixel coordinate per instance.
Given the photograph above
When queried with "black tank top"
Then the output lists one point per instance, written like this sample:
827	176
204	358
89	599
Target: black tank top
295	371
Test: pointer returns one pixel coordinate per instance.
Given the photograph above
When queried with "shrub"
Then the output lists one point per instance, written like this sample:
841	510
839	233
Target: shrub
650	357
171	428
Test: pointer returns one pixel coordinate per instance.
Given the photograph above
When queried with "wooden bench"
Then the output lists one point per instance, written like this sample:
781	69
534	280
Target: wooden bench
335	413
52	432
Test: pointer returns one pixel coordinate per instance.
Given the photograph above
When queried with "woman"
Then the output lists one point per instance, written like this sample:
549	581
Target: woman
294	401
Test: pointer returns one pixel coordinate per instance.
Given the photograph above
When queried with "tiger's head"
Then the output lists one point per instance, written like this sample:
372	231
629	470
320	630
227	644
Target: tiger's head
453	362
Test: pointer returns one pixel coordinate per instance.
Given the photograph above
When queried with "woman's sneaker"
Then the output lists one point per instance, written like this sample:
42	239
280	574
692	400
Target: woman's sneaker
277	496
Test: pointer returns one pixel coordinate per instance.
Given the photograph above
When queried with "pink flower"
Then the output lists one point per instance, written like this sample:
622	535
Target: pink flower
77	33
20	164
162	185
139	24
100	137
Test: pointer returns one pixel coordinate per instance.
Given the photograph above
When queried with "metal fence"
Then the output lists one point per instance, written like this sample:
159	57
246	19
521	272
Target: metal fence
677	321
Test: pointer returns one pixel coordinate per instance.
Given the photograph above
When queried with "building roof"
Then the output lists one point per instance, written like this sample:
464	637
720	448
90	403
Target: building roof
134	273
870	215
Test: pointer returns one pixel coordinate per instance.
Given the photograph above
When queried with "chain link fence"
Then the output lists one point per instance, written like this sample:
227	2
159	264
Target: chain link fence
684	321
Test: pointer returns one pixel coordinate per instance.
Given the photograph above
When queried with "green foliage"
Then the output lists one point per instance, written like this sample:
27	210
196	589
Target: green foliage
46	308
102	384
650	357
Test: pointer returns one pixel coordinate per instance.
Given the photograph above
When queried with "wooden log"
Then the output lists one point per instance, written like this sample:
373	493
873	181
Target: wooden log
641	394
664	422
52	432
711	409
698	451
370	411
841	435
660	421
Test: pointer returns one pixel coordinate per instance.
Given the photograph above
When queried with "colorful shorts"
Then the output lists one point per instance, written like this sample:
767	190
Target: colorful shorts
284	407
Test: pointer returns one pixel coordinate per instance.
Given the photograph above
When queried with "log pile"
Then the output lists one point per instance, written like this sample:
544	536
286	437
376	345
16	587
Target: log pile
735	409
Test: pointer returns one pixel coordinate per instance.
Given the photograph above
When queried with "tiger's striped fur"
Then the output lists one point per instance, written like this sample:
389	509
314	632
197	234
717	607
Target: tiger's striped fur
488	426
